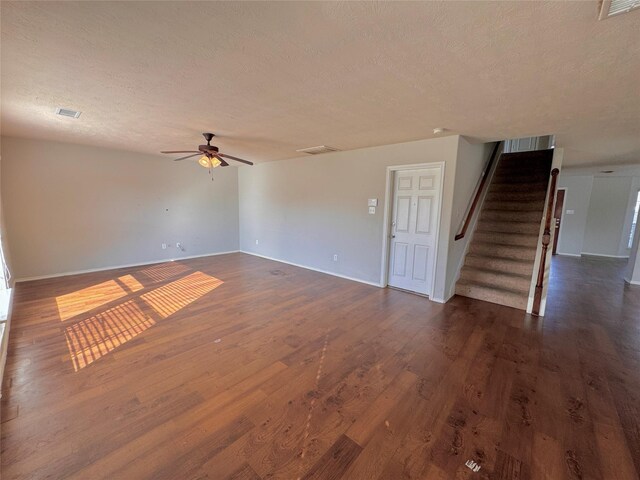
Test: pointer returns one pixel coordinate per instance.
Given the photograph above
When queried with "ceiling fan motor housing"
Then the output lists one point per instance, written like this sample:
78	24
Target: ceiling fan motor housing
208	148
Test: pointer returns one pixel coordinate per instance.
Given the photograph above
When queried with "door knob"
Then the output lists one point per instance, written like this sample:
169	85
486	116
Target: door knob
393	236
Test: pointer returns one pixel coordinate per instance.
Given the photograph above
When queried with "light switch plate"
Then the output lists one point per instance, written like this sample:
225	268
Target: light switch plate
373	202
570	212
372	210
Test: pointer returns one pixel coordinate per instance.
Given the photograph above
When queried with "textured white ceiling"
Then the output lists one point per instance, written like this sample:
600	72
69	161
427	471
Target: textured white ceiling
271	77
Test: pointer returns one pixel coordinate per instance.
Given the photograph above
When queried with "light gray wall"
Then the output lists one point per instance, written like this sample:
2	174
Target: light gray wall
607	217
577	195
307	209
70	207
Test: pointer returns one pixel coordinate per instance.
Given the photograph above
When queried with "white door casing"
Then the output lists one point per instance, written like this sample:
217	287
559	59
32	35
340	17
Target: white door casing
414	215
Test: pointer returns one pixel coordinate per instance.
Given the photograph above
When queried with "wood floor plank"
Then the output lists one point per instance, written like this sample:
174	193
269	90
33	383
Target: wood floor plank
335	462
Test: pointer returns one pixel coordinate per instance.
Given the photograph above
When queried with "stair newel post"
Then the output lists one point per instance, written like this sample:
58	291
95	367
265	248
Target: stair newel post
546	239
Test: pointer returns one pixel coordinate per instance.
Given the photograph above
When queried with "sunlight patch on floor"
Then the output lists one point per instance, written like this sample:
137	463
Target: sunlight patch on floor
81	301
168	299
164	271
130	283
94	337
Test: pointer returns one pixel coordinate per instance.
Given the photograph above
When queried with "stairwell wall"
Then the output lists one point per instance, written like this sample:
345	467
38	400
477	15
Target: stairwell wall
471	161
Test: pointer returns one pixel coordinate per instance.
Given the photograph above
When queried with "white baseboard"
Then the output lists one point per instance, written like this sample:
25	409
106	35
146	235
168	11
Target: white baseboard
314	269
569	254
631	282
603	255
441	300
116	267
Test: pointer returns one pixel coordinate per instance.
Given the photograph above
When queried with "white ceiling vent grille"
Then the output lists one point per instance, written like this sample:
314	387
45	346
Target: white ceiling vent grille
317	150
615	7
67	112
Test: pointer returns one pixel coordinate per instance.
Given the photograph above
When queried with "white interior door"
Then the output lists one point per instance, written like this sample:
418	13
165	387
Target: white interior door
416	197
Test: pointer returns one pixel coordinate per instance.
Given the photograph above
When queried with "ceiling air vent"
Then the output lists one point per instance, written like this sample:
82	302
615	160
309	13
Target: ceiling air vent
317	150
610	8
67	112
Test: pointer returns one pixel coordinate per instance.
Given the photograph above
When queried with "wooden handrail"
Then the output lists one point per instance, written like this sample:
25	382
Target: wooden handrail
546	239
476	198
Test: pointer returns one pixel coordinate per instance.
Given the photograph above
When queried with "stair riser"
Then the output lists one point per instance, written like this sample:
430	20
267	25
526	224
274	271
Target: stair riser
536	206
502	251
521	268
531	228
502	238
508	227
512	216
516	167
496	279
517	196
520	179
492	296
517	187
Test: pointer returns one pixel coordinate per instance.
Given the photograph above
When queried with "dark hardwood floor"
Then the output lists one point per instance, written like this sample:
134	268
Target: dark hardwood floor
239	367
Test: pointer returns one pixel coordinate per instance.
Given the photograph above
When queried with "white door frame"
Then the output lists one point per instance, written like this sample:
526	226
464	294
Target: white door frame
388	199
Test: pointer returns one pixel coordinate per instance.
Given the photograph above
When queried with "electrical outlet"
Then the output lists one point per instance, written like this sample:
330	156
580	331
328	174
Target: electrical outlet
335	257
164	246
257	242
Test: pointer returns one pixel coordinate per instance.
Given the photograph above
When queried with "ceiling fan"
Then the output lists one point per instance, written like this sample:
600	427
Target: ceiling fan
210	155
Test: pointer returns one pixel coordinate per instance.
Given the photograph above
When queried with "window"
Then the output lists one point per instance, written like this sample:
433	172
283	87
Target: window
634	222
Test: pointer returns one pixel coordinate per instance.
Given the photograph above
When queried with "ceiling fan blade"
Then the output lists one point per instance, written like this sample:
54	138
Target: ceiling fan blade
182	151
235	158
188	156
223	162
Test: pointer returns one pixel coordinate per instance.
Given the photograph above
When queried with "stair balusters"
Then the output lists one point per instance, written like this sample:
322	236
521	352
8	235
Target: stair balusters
546	239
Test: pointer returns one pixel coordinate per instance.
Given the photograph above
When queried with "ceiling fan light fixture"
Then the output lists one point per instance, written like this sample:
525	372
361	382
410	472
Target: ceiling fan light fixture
204	161
215	162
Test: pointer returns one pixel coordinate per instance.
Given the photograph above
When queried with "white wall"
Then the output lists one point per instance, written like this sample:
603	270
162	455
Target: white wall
607	217
576	198
71	207
307	209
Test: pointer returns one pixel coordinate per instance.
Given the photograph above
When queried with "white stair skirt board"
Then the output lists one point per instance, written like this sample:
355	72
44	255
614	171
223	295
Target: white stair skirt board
116	267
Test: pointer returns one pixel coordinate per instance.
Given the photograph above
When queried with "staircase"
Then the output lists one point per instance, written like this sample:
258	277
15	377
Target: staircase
499	265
